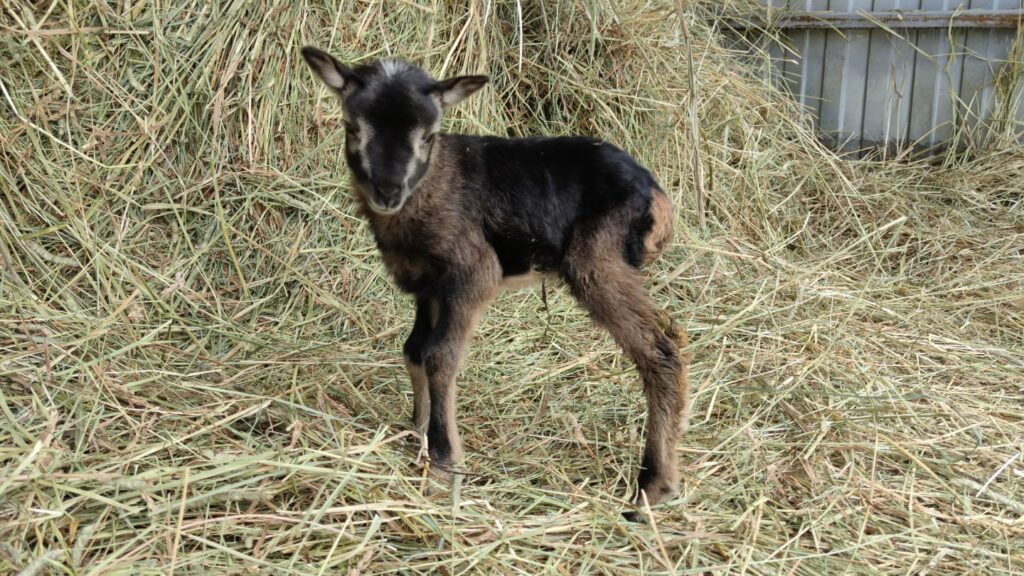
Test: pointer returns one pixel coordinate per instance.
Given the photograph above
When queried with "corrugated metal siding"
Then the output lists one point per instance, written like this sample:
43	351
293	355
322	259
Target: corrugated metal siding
865	87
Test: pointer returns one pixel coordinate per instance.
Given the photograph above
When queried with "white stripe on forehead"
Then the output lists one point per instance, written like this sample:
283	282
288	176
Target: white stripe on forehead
392	67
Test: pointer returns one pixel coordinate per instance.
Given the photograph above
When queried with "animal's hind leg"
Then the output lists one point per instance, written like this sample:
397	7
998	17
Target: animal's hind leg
613	293
678	335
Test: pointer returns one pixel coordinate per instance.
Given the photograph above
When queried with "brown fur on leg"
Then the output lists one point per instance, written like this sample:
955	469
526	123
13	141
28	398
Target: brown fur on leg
613	293
672	331
420	395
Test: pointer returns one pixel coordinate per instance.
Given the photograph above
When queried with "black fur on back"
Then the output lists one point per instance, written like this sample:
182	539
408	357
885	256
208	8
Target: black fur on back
532	193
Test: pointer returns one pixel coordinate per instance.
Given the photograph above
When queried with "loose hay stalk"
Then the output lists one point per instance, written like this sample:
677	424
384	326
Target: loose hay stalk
198	346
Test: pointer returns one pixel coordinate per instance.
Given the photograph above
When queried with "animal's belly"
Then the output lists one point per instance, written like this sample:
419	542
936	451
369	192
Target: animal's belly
520	281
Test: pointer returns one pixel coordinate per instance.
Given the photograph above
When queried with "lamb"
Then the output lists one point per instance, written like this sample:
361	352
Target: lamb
458	217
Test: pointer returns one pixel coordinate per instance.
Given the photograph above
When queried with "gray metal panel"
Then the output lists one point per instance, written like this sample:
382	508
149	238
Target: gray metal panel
890	75
895	19
775	73
777	53
804	74
936	78
1018	118
948	102
999	42
985	51
899	85
978	72
846	62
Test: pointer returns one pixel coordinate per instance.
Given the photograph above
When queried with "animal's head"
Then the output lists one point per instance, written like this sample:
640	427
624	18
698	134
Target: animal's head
392	113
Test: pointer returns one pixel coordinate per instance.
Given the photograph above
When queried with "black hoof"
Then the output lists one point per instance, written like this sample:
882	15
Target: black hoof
634	516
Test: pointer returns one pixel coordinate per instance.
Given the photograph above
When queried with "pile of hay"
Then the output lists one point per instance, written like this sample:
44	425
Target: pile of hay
199	347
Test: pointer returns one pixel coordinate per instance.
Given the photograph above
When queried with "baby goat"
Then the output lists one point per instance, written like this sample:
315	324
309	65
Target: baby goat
458	217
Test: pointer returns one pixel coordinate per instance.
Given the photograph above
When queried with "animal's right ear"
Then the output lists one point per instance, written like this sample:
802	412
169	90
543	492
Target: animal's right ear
332	72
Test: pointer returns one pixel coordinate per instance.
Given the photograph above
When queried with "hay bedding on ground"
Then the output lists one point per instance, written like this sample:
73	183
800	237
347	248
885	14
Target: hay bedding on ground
200	372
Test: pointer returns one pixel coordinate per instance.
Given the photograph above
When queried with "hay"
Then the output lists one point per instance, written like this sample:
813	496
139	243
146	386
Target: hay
198	345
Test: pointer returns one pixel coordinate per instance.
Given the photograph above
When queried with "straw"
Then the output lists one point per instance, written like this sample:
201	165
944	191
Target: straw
200	366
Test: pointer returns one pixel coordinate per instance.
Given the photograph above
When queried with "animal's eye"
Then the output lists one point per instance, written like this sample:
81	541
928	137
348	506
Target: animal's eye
351	129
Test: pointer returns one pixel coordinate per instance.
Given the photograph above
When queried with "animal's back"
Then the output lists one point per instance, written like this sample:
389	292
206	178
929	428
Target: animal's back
533	193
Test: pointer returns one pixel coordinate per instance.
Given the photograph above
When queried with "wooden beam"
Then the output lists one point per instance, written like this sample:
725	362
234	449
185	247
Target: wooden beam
892	19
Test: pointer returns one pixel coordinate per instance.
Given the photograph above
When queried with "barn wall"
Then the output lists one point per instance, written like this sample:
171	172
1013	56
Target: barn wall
868	86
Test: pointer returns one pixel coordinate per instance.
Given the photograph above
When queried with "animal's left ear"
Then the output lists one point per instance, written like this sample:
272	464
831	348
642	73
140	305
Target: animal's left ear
455	90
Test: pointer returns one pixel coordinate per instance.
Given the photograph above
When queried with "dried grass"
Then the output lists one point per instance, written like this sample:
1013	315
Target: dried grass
199	368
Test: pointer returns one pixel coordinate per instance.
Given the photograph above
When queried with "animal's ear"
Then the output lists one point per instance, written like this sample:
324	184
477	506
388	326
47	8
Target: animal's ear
328	69
455	90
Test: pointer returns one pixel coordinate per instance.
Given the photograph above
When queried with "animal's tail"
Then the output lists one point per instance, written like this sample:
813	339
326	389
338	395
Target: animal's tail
661	226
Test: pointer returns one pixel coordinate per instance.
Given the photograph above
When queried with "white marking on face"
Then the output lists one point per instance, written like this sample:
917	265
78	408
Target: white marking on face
365	134
436	99
381	210
419	154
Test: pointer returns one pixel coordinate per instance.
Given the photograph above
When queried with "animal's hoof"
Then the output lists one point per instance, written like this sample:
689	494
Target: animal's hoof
437	479
634	516
441	474
655	493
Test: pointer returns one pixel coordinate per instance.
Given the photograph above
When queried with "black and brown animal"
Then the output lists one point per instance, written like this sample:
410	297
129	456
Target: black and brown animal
459	217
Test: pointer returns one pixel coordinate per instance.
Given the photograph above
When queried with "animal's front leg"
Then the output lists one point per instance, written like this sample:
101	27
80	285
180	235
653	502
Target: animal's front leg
413	352
457	313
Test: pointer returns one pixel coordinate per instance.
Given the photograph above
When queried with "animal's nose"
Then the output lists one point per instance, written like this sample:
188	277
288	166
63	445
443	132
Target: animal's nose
389	190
